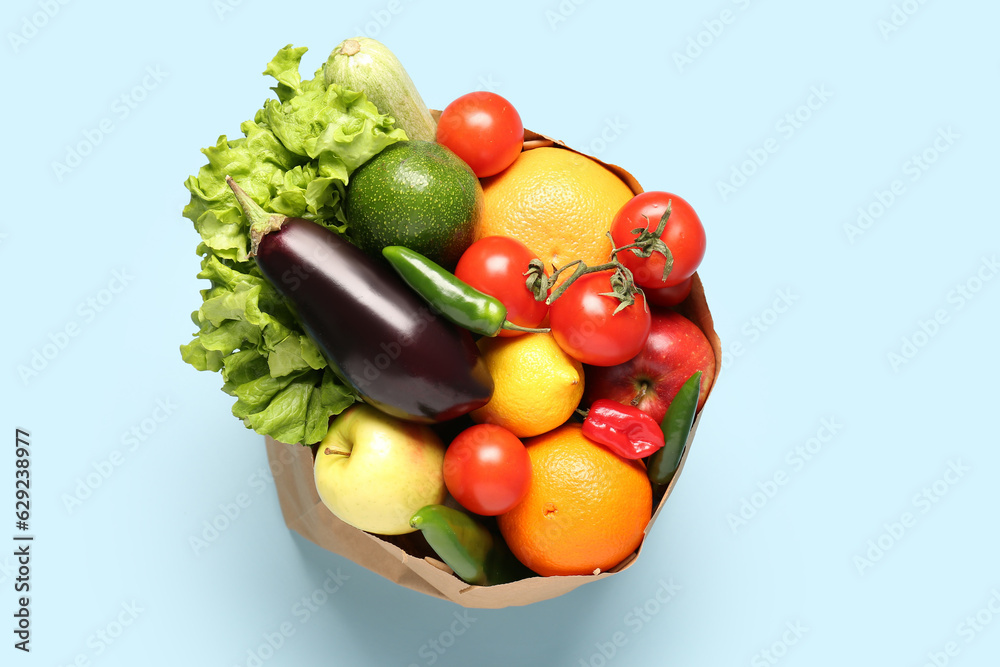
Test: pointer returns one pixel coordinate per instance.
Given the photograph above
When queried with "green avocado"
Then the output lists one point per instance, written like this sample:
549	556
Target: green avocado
416	194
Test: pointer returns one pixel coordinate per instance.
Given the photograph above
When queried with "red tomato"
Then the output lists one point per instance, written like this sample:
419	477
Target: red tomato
684	235
585	328
495	265
487	469
484	130
668	296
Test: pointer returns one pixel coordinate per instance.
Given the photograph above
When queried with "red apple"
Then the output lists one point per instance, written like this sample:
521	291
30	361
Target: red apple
675	349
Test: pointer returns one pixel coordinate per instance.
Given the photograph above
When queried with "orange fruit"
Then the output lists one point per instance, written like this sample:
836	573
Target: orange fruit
558	203
586	508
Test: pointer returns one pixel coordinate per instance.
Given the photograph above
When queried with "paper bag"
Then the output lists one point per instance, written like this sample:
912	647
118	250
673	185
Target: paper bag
404	559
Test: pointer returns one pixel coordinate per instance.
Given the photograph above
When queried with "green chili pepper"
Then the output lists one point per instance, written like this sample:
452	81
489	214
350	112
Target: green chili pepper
467	547
676	426
456	537
456	300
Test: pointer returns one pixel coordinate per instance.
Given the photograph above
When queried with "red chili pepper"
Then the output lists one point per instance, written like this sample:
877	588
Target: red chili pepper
625	430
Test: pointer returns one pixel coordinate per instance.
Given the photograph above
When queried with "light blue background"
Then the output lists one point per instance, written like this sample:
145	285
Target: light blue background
606	65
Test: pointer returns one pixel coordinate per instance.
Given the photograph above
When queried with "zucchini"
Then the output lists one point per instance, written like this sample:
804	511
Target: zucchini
366	65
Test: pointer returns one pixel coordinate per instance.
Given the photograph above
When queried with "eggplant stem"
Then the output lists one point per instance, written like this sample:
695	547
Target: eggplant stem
262	223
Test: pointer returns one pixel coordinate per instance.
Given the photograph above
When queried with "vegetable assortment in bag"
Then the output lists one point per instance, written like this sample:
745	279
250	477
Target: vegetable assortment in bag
313	300
295	159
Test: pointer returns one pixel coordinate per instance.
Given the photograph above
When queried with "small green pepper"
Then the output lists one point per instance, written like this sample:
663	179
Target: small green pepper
467	547
456	537
676	426
456	300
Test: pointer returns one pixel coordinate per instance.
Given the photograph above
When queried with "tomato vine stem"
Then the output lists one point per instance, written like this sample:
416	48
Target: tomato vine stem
623	284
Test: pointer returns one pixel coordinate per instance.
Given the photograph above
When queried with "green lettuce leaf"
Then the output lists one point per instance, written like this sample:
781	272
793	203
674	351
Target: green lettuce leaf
294	158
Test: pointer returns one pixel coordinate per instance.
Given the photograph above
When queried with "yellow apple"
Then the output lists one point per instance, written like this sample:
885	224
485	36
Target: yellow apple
374	471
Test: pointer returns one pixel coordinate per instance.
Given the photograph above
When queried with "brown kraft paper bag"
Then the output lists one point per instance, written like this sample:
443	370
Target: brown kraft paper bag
403	559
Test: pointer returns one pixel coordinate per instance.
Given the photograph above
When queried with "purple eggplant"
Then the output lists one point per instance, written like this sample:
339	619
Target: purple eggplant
376	333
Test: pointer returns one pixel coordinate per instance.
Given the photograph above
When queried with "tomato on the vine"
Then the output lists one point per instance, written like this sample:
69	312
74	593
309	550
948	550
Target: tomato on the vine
668	296
487	469
484	130
684	235
586	327
496	265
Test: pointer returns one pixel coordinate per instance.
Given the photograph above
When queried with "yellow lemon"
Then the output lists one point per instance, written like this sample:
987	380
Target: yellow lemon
537	386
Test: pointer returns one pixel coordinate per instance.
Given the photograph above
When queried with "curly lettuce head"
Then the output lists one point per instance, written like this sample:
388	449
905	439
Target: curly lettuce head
295	158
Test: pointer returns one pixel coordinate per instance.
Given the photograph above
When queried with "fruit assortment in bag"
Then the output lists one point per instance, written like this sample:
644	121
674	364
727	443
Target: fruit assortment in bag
463	327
